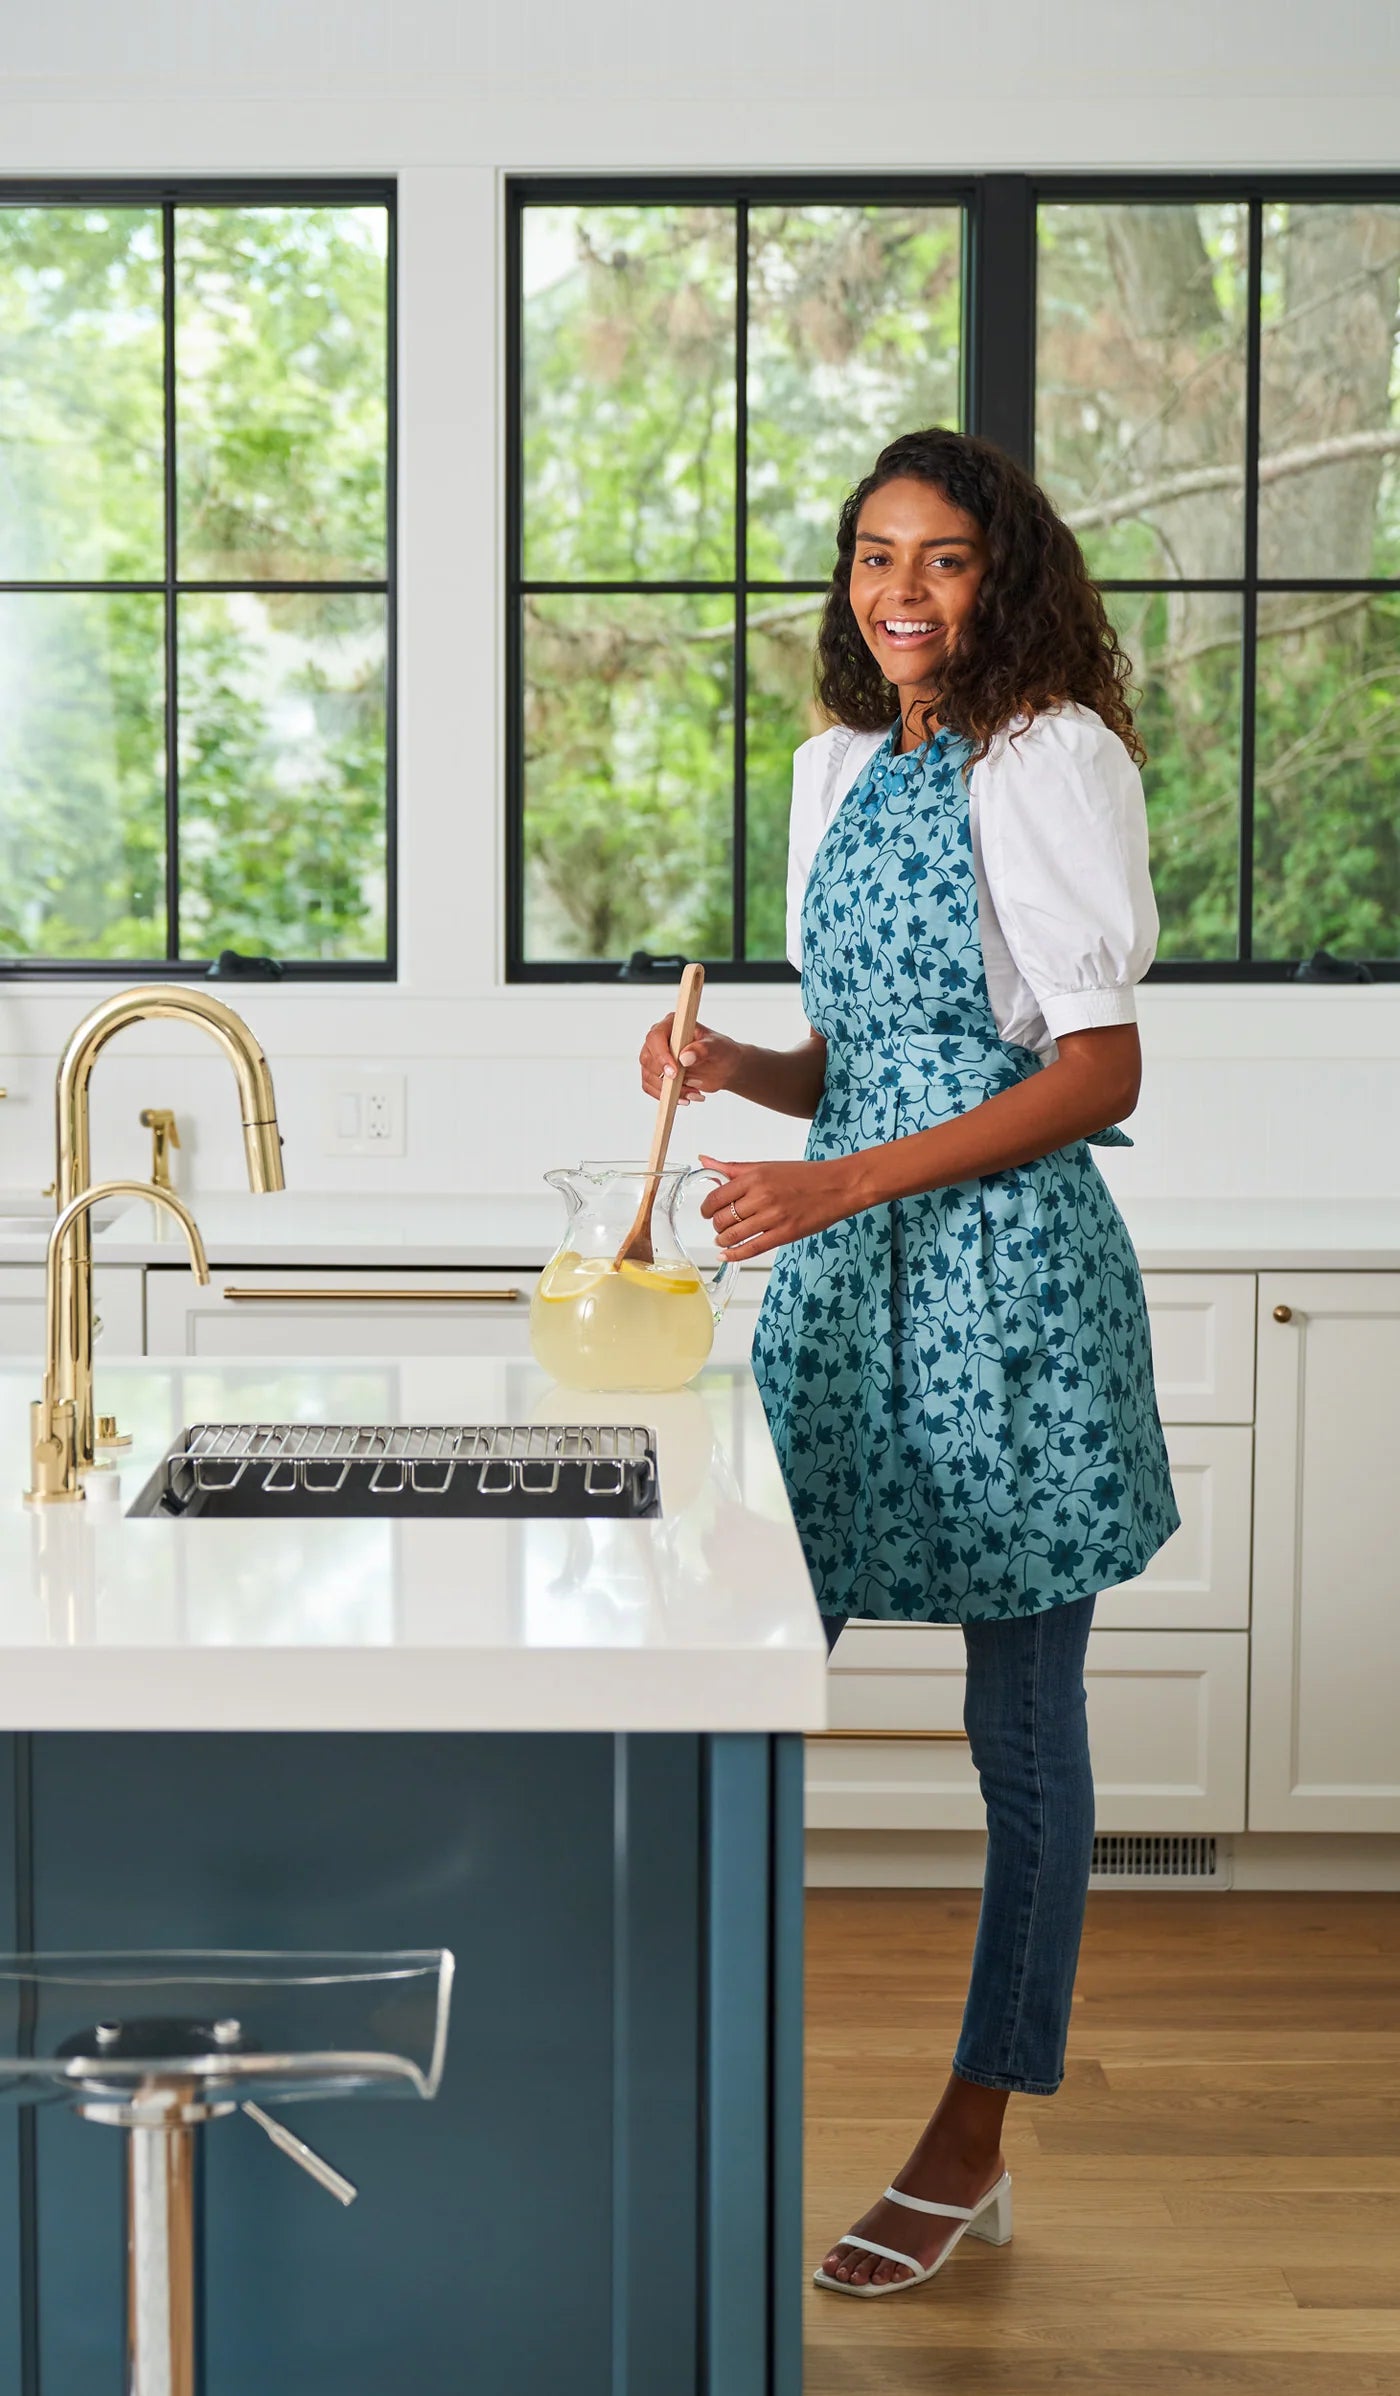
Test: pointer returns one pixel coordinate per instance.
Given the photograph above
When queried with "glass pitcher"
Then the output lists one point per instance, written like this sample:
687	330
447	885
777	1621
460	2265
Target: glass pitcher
641	1326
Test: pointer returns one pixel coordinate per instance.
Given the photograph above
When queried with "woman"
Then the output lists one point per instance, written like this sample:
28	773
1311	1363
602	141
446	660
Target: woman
954	1351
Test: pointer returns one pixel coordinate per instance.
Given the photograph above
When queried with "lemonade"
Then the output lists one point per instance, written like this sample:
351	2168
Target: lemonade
636	1327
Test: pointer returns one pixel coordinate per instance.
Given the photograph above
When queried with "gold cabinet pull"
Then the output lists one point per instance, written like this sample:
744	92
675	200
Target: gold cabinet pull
870	1735
242	1297
1283	1314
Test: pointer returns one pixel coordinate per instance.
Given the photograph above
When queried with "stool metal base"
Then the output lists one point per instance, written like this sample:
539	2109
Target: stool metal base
161	2335
162	2120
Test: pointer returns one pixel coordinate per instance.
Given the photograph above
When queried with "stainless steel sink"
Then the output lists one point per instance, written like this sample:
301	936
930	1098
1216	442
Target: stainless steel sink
500	1470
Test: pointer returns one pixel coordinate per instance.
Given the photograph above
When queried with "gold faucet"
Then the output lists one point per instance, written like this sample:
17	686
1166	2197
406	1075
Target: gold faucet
160	1123
262	1144
55	1462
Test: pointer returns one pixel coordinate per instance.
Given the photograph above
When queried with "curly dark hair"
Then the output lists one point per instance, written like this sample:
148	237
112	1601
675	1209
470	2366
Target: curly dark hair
1038	634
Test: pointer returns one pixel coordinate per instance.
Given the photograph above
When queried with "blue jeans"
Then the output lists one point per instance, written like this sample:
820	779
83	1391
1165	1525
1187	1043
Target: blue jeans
1024	1716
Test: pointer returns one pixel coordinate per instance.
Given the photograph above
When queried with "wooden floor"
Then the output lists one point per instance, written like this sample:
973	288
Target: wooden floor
1211	2204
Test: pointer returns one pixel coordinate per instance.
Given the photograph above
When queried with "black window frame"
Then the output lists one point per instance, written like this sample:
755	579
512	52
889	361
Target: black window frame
169	193
998	373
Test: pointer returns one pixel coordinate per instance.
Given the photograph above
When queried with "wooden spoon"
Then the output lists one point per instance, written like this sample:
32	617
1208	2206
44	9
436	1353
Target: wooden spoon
637	1248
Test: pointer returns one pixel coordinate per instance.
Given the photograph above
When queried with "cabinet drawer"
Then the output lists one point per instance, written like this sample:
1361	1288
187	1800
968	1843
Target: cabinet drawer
1166	1726
257	1313
1202	1345
1200	1580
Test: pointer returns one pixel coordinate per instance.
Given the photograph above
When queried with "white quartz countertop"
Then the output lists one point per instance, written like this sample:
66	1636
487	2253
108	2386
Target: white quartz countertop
342	1230
702	1620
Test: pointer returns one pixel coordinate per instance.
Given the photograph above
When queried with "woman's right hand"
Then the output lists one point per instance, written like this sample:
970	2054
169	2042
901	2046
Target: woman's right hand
712	1062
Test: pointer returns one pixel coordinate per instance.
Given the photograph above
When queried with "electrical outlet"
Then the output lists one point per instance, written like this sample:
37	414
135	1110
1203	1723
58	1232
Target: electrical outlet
364	1115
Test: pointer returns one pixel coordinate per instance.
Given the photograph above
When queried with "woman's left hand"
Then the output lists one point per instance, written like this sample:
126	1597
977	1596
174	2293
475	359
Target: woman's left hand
763	1206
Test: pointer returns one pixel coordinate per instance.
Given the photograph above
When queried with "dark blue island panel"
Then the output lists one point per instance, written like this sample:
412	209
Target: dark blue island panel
17	2316
605	2195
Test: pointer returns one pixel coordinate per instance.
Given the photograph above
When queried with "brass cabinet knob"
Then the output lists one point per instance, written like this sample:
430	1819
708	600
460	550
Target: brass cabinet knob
1283	1314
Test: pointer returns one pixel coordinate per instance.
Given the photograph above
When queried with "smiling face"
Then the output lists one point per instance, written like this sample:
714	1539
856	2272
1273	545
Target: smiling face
917	569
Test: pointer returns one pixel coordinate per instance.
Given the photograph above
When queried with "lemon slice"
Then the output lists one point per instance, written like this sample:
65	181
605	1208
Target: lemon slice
660	1277
572	1278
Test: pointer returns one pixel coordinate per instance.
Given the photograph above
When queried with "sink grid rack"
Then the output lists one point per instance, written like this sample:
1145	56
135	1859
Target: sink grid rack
534	1460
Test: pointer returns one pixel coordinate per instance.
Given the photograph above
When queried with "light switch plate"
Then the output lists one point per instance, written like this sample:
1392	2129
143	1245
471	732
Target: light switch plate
364	1114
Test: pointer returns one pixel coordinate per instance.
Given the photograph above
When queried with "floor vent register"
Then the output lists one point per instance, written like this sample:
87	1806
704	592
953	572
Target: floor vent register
1148	1860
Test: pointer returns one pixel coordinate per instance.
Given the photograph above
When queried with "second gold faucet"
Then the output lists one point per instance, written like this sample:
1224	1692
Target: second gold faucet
55	1465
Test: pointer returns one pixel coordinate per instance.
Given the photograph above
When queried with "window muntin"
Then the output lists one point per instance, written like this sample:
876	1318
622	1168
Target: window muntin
194	423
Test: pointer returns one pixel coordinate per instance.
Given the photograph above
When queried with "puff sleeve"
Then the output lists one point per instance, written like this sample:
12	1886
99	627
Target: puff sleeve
1063	827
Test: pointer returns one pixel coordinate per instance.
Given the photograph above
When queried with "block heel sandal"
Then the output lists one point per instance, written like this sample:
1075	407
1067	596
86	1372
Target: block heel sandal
990	2219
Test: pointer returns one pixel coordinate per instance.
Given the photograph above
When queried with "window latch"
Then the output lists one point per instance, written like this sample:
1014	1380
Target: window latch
642	966
231	965
1322	966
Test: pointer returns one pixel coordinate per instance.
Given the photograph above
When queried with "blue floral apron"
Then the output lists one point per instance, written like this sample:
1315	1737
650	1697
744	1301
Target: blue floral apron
959	1385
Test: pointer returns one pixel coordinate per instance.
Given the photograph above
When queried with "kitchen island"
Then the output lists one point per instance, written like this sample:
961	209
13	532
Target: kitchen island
569	1750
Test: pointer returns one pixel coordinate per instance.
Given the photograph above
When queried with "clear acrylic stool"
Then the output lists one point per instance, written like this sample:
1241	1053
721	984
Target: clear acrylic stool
157	2044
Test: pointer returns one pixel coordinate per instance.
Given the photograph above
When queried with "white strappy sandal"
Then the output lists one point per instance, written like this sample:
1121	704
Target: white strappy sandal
991	2219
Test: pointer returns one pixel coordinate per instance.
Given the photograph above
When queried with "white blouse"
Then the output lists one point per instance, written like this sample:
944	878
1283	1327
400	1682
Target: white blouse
1059	849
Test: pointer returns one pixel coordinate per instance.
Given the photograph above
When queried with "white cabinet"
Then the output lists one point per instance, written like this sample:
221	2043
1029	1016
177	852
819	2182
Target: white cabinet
326	1313
1166	1729
116	1299
1325	1702
1202	1345
1168	1662
1200	1580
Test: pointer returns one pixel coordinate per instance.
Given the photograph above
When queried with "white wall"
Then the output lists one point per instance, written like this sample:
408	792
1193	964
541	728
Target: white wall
1283	1089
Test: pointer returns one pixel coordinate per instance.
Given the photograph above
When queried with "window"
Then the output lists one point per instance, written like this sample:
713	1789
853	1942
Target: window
1205	375
196	594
